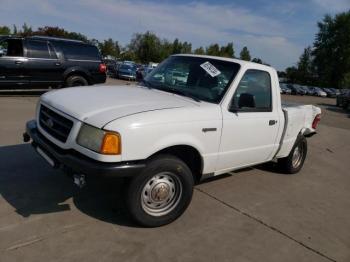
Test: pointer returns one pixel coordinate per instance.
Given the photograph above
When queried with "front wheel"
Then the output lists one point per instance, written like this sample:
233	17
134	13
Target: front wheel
295	160
161	193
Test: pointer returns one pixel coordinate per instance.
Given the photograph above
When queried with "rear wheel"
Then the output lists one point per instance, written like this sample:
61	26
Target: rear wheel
161	193
295	160
76	80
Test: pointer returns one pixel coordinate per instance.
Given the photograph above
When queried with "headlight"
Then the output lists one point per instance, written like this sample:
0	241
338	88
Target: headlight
98	140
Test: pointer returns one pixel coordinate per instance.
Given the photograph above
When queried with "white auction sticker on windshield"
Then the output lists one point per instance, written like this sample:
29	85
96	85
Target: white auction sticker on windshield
210	69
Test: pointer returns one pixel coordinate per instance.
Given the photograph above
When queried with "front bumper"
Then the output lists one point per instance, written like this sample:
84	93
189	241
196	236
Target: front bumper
98	78
76	161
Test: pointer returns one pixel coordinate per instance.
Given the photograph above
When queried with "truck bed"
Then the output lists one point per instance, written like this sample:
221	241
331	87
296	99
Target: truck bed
298	118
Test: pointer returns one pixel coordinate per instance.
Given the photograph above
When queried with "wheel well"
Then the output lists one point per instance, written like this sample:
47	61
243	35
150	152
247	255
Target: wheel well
78	73
187	154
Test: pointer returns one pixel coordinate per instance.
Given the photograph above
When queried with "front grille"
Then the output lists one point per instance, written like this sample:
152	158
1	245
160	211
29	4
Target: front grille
55	124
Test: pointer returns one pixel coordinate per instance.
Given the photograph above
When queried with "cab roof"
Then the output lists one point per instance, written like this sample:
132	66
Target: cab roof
235	60
39	37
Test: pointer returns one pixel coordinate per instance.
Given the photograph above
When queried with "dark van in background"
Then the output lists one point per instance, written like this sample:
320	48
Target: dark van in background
40	61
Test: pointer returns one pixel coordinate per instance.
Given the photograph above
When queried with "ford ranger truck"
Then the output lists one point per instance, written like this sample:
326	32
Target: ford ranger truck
191	118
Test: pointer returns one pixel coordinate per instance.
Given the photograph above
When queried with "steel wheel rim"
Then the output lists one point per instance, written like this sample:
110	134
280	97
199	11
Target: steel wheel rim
297	156
161	194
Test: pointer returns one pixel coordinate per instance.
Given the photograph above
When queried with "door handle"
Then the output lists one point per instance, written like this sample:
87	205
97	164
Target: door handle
272	122
209	129
57	64
18	62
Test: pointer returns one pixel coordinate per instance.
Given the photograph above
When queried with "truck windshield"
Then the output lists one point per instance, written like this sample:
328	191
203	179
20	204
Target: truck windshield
200	78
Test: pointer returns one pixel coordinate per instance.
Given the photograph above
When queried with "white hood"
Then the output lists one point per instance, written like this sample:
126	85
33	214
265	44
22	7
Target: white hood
99	105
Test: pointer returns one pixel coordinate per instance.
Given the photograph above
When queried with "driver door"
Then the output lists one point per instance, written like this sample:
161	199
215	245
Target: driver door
250	125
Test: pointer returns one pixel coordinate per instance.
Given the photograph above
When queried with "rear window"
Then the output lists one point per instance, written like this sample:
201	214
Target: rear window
79	51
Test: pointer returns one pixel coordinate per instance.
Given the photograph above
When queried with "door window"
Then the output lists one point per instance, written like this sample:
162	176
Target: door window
253	93
39	49
52	51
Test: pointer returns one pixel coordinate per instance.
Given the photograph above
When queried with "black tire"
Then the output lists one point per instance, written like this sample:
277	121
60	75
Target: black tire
147	186
294	162
76	80
345	105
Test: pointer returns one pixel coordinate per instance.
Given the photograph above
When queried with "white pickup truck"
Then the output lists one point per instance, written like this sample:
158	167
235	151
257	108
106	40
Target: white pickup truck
191	118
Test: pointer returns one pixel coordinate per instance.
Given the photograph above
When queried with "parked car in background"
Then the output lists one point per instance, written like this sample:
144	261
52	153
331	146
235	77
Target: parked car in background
152	65
127	71
319	92
329	92
343	99
304	89
336	90
148	70
139	74
111	67
129	63
40	61
142	72
118	64
284	89
310	90
296	90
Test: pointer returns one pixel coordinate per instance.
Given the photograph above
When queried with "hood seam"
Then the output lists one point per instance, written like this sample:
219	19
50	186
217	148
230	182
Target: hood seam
139	113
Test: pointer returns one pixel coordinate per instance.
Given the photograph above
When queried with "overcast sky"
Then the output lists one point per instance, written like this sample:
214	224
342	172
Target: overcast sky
274	30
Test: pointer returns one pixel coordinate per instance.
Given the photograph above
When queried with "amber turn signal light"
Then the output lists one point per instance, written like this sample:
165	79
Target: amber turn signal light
111	144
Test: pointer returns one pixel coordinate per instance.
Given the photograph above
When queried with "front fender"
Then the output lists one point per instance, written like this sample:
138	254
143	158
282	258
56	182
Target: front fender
149	132
141	143
181	139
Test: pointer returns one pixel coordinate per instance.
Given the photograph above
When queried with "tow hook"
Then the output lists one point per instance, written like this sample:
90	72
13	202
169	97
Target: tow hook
79	180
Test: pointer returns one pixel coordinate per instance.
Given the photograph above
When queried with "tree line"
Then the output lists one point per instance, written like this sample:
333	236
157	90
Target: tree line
327	62
143	47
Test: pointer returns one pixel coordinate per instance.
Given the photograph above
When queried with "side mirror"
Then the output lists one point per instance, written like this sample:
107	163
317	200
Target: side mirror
233	108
